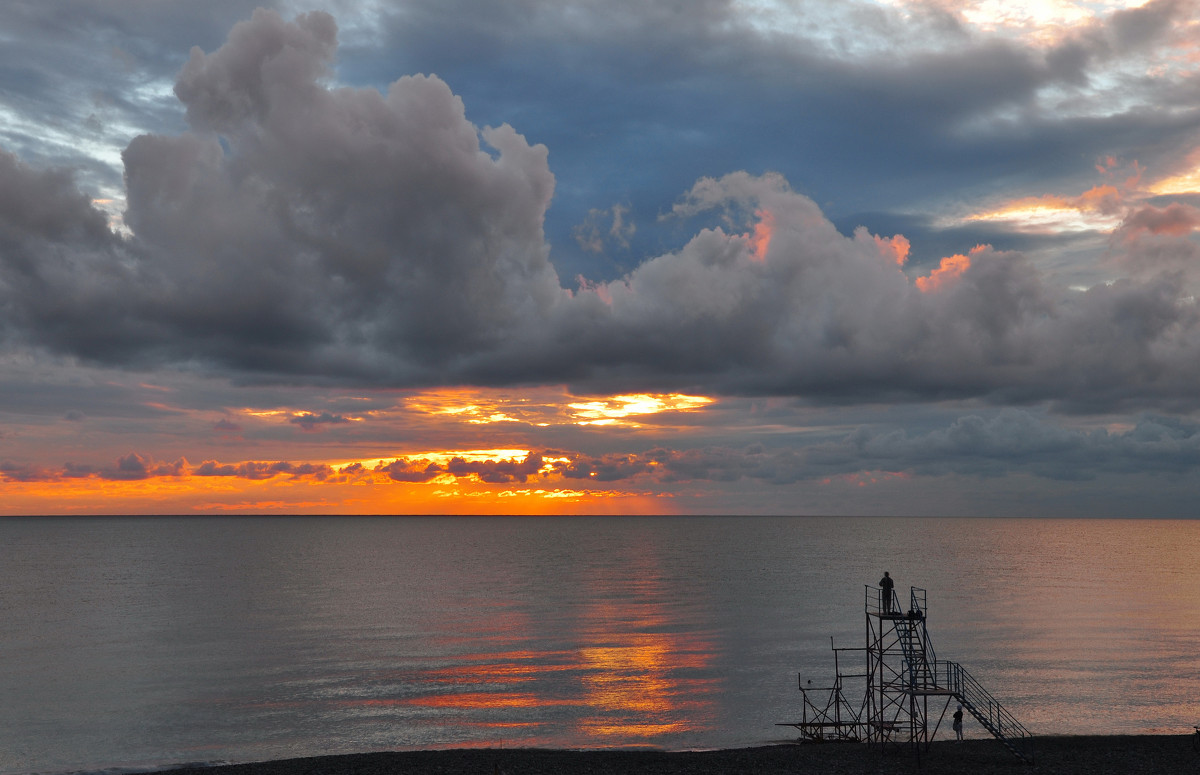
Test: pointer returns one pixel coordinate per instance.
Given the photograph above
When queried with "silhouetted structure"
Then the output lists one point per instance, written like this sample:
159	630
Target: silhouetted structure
904	685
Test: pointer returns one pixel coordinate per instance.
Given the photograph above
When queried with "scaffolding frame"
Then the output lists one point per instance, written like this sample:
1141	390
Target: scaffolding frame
904	684
836	718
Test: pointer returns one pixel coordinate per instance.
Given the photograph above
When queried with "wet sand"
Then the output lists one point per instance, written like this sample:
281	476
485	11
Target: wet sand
1085	755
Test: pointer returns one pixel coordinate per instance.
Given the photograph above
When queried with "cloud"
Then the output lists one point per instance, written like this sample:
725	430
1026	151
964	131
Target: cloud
364	218
612	467
495	471
302	231
311	422
1013	440
987	445
993	444
130	467
224	425
829	317
296	229
261	470
134	466
1177	219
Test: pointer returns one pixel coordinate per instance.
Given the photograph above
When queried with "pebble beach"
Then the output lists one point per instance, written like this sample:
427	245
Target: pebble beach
1068	755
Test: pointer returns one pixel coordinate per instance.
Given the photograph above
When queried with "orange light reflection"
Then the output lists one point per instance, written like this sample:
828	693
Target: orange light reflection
640	676
472	700
635	676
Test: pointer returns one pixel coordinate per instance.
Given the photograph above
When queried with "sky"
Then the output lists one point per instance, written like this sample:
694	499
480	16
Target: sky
877	257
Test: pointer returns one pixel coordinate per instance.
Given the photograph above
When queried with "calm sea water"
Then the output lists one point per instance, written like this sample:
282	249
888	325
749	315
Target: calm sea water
132	642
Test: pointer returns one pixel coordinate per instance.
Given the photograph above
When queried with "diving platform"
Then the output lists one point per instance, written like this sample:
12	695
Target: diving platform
907	690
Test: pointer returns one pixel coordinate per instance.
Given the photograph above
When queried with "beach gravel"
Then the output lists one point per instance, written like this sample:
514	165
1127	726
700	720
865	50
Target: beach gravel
1085	755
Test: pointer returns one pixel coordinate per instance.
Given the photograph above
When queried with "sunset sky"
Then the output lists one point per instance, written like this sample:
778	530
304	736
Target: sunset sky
566	256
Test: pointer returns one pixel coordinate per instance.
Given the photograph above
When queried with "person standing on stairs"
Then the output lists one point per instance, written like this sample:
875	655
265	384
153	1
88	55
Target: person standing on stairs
886	585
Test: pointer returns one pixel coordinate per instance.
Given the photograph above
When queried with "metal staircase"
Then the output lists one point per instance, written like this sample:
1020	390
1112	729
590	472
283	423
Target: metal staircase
920	661
986	709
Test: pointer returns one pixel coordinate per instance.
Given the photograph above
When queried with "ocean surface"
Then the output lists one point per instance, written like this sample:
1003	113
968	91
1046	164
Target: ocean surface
136	642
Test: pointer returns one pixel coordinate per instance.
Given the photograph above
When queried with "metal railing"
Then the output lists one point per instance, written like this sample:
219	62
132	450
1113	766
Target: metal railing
874	602
982	705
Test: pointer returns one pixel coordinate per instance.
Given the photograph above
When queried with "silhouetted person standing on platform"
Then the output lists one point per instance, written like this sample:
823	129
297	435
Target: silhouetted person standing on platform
886	585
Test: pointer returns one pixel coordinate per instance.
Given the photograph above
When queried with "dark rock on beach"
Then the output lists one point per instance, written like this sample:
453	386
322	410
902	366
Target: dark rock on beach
1090	755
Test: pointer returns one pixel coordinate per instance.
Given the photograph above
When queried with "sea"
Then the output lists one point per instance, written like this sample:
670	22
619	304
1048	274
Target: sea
141	643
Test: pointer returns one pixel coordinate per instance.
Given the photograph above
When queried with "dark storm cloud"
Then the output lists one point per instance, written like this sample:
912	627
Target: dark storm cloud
301	231
45	207
62	274
398	226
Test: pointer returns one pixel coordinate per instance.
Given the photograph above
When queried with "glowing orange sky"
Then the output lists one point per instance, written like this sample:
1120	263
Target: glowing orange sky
476	480
372	494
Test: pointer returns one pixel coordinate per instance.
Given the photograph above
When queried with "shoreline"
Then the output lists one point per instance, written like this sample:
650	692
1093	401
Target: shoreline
1064	755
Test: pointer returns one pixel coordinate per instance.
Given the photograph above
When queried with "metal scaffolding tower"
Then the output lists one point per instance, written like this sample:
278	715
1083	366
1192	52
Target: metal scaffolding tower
901	671
905	684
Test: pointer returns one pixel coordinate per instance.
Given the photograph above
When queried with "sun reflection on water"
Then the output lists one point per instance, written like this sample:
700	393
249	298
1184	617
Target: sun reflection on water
627	674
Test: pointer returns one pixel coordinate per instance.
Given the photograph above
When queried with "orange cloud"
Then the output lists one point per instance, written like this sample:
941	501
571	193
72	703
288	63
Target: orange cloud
617	410
1104	199
760	238
894	248
1187	181
1098	208
951	268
